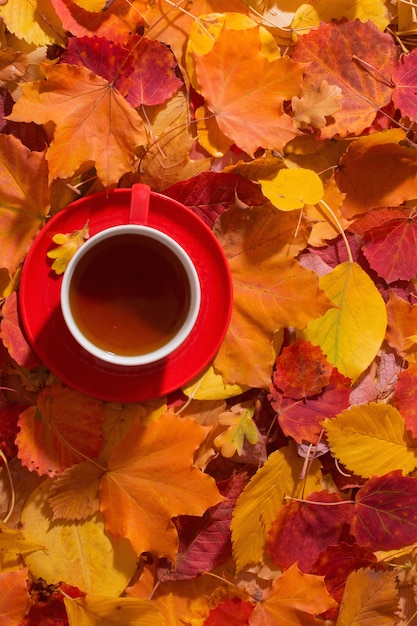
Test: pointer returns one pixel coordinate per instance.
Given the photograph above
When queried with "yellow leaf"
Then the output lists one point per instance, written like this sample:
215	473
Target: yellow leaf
100	611
372	439
293	188
93	6
13	543
350	334
82	553
210	137
68	245
211	386
262	499
74	495
34	21
240	427
370	597
310	15
312	108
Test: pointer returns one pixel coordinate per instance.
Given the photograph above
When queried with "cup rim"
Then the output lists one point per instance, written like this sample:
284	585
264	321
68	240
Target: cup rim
195	297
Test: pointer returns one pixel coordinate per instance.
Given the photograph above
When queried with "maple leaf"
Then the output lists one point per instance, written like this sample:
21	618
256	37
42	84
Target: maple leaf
68	244
61	430
312	108
242	88
14	597
12	336
329	51
294	599
371	439
369	175
370	596
94	122
240	427
139	485
350	334
302	530
271	290
24	199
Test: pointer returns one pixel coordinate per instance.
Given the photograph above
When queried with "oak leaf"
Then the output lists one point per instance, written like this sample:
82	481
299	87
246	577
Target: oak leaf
24	199
370	597
294	599
271	290
94	610
14	597
240	428
94	122
371	439
151	479
61	430
350	334
344	53
242	88
316	103
80	553
68	244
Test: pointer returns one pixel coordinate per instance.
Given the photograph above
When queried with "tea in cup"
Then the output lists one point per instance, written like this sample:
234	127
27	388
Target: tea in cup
130	295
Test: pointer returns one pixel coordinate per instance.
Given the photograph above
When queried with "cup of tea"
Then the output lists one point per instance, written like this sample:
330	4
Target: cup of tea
131	295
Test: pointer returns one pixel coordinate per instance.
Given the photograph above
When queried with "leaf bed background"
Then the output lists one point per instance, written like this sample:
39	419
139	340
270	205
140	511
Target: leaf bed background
279	487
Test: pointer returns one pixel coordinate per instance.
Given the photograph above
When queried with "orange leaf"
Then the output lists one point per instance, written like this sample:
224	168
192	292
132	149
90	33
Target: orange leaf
271	289
402	324
151	479
60	431
24	199
294	599
12	336
93	121
242	88
14	597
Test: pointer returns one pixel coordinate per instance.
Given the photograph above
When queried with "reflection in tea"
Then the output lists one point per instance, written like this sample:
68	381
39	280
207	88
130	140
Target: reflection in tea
129	295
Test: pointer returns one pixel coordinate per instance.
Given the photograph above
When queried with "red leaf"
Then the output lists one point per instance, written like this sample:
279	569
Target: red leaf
345	53
13	338
405	397
302	530
404	76
336	562
231	612
8	429
301	370
386	512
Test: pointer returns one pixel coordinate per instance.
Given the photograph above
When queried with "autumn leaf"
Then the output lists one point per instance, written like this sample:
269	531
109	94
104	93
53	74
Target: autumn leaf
291	189
80	553
404	77
401	328
271	290
371	439
230	612
344	53
13	544
36	23
24	199
242	87
211	386
140	485
261	501
61	430
14	597
12	336
13	66
91	118
369	595
293	600
74	494
350	334
303	530
240	428
404	397
310	15
101	611
316	103
68	245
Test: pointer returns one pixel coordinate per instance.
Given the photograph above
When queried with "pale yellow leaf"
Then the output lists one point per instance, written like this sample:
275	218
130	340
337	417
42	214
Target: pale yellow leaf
81	553
68	244
291	189
370	597
310	15
211	386
312	108
35	21
112	611
350	334
372	439
13	542
263	498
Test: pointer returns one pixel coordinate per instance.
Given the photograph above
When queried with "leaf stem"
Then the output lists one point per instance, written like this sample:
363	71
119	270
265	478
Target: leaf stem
340	228
319	503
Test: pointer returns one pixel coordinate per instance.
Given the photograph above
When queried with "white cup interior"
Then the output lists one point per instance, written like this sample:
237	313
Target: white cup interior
190	318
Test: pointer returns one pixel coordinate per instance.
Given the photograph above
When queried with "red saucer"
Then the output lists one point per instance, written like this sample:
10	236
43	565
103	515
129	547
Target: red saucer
44	325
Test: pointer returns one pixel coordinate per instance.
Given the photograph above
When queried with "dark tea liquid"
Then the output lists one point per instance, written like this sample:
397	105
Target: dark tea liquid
129	295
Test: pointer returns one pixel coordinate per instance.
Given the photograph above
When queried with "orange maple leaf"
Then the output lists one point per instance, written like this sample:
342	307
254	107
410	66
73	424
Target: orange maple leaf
151	479
245	91
93	121
63	429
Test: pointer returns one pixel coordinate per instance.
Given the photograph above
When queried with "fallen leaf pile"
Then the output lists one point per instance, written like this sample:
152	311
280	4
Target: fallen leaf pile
279	487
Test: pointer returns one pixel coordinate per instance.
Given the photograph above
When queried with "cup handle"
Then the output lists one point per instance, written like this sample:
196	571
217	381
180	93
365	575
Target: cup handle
139	204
